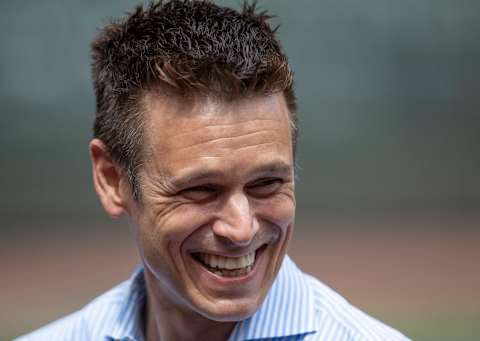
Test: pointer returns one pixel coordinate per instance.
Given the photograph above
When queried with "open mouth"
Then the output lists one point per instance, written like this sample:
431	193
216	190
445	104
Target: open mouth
228	266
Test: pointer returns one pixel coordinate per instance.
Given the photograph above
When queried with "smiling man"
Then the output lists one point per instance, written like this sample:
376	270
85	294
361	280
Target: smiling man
194	140
215	209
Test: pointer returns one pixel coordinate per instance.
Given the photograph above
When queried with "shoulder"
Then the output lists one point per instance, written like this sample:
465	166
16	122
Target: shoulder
334	315
299	307
91	322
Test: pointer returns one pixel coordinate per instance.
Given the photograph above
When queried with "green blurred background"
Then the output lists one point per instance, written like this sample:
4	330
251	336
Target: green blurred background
388	178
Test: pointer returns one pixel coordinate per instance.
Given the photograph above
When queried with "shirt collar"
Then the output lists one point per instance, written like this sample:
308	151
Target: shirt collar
287	309
128	324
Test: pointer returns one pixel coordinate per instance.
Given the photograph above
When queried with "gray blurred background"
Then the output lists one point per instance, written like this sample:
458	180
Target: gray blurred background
389	146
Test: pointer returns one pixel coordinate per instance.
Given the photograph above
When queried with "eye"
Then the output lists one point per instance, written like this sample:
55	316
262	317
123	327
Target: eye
265	187
199	193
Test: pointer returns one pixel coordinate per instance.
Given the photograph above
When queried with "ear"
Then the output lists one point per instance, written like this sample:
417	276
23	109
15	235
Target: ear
107	179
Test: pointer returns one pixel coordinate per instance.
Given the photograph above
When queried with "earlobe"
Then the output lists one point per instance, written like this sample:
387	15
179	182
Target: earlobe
107	179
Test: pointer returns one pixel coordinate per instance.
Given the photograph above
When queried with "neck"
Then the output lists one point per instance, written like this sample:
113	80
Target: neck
164	321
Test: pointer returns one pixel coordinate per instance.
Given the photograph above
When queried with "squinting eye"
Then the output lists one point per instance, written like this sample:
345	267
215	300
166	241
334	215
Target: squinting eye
199	193
266	187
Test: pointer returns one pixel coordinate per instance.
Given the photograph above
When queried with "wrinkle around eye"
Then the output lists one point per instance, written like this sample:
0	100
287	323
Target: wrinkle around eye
281	195
165	208
162	199
265	187
269	188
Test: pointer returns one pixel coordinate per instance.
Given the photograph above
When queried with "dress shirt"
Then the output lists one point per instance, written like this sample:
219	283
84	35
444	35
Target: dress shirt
297	307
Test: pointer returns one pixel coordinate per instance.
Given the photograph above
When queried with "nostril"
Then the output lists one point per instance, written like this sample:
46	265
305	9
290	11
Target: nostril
236	234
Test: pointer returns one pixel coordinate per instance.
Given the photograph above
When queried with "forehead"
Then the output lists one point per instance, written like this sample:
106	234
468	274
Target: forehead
211	133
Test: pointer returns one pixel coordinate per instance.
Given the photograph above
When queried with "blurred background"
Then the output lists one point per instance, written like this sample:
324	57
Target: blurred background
388	178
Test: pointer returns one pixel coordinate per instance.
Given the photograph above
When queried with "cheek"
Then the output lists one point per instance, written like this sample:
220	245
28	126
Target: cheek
280	210
164	231
160	239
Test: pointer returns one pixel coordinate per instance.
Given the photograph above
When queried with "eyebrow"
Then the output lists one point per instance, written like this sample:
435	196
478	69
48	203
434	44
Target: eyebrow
277	167
194	176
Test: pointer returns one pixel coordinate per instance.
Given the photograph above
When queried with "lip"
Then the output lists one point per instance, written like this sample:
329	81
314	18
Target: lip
259	261
232	254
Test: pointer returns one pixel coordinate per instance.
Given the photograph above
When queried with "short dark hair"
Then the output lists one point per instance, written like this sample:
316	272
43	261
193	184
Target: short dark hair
181	47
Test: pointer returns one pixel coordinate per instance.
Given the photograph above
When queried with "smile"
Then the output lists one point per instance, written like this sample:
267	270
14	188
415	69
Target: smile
226	266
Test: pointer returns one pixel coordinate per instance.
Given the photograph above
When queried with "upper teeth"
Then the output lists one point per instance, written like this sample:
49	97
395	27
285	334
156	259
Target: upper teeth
228	263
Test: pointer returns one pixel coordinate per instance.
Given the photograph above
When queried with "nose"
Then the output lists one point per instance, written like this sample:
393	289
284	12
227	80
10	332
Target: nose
236	221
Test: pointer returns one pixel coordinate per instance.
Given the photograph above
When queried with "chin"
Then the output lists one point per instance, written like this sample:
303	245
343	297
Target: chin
230	311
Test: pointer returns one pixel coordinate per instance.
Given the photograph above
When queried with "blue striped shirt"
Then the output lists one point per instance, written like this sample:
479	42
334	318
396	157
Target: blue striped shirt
297	307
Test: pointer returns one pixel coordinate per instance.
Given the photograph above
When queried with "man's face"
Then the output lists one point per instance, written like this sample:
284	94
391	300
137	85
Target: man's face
217	202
